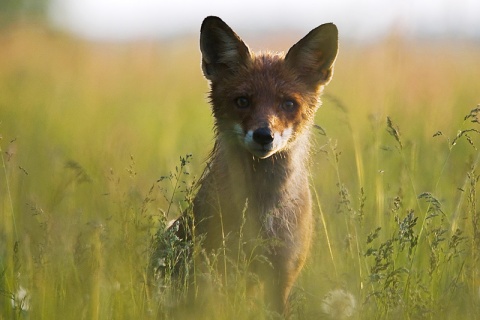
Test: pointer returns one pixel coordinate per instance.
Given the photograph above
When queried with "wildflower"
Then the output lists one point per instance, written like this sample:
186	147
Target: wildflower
339	304
21	299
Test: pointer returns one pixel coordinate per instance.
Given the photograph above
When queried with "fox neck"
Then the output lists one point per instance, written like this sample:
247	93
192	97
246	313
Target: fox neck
263	182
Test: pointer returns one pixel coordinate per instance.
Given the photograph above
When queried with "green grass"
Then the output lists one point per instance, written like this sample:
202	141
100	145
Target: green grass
88	130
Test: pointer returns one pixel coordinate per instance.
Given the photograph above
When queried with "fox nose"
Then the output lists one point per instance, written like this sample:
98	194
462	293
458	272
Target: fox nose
263	136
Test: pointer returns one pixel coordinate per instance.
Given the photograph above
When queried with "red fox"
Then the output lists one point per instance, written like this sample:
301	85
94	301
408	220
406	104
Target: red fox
256	182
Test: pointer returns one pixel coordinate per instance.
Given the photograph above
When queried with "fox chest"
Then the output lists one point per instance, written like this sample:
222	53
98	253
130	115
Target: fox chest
227	213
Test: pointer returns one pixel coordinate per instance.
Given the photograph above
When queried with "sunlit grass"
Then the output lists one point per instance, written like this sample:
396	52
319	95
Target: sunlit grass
88	130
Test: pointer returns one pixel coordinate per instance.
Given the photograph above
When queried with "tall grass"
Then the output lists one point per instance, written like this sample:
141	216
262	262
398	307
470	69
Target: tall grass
88	130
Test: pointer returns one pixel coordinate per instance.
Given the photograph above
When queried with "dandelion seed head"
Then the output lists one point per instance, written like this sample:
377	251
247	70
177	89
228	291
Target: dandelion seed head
339	304
21	299
161	262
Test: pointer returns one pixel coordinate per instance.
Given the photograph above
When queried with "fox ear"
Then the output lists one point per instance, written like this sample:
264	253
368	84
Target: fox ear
314	55
222	50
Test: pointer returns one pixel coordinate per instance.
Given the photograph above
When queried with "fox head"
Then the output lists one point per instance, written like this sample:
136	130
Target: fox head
265	102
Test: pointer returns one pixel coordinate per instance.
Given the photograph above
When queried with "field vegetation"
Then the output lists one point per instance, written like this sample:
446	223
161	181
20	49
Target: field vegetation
101	144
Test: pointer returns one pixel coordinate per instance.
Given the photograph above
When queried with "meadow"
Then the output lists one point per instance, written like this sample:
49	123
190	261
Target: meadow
101	144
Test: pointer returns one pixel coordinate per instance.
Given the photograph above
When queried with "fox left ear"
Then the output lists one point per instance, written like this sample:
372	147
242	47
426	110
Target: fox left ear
314	55
222	50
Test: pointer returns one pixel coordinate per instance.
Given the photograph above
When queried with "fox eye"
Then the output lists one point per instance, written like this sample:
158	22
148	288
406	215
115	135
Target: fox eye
289	105
242	102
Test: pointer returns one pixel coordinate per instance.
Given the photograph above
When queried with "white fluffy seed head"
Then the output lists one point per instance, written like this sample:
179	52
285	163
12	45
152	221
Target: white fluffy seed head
339	304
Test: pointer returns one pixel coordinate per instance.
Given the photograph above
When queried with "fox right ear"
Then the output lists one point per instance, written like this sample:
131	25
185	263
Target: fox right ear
222	50
314	55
